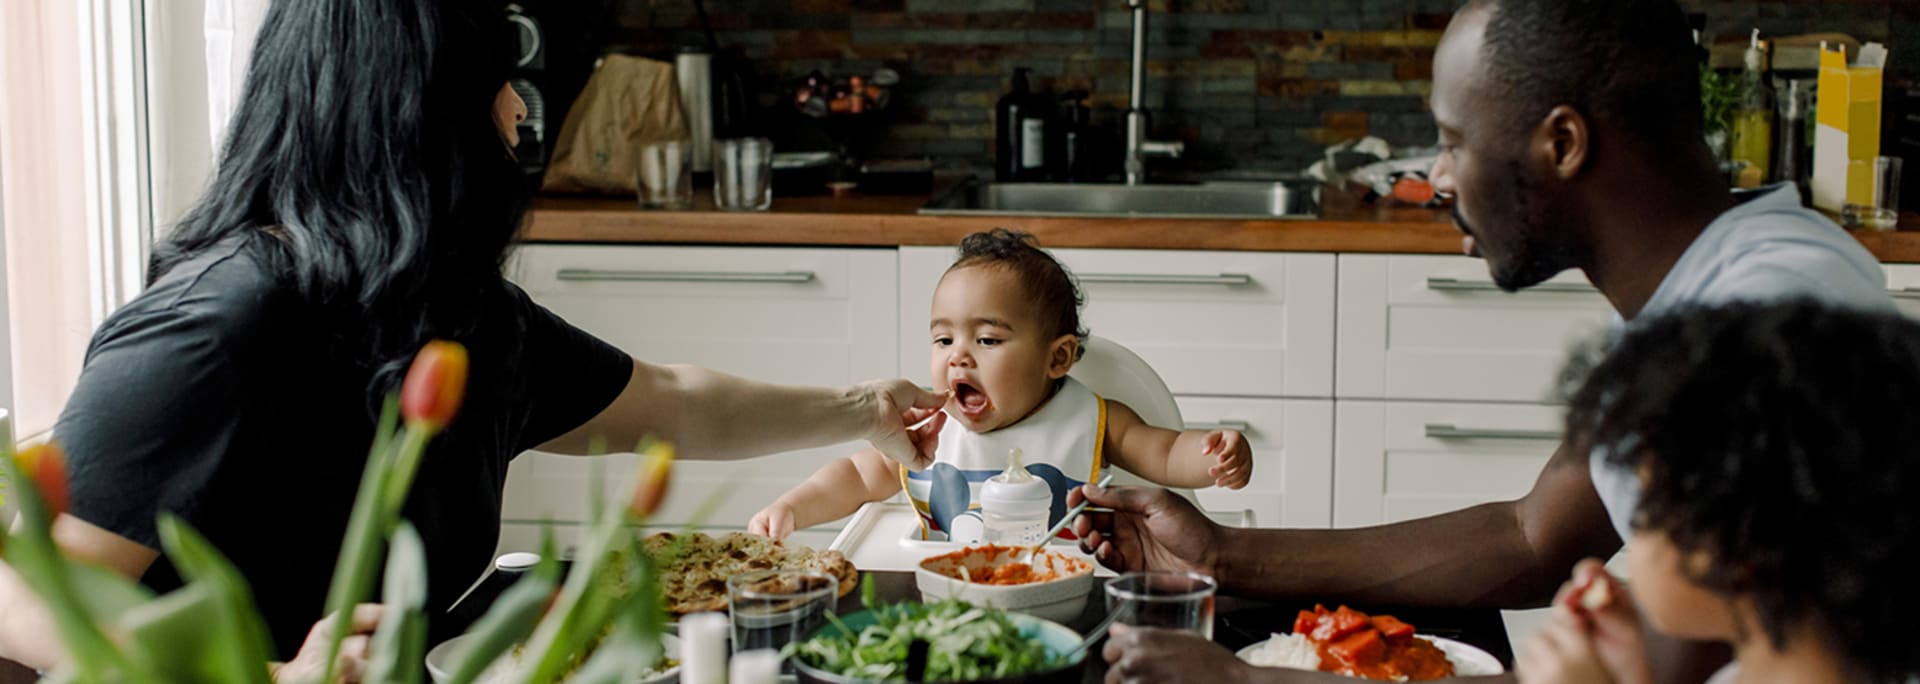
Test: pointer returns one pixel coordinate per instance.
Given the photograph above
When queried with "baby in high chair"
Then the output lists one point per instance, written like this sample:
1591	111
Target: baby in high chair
1005	331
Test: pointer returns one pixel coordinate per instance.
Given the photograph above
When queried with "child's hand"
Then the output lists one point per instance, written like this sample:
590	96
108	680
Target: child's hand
1561	653
774	522
1595	625
1235	459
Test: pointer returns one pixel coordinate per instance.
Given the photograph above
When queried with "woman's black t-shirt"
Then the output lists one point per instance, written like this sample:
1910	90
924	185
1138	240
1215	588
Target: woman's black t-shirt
215	396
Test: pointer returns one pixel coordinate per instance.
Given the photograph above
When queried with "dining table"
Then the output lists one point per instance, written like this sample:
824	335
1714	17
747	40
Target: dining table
1237	622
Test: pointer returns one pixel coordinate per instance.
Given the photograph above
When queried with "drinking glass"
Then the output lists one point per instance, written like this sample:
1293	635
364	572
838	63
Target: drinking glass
1172	600
1875	205
664	174
743	174
772	608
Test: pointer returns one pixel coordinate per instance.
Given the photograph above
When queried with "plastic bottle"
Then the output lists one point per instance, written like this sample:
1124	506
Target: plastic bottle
1753	120
1075	158
703	648
1014	505
1020	133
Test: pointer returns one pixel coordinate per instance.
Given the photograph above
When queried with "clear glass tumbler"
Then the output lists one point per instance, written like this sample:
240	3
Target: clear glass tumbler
743	174
772	608
664	174
1171	600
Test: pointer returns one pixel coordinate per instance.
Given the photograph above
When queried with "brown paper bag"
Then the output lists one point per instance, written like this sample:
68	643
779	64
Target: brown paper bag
629	101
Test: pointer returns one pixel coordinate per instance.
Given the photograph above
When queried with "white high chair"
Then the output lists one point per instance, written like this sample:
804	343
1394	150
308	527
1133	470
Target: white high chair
1115	372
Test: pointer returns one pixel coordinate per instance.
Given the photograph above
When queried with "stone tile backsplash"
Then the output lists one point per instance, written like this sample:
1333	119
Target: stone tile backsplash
1253	86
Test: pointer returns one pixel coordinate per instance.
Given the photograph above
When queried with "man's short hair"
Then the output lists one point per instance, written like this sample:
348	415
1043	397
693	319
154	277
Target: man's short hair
1628	64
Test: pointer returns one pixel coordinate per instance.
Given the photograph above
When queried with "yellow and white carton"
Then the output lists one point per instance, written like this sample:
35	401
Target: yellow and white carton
1848	130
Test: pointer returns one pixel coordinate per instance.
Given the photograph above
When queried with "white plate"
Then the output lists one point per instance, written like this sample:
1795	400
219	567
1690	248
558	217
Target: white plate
1468	660
440	659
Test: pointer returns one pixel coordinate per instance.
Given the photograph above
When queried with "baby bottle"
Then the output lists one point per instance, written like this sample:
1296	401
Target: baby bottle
1014	505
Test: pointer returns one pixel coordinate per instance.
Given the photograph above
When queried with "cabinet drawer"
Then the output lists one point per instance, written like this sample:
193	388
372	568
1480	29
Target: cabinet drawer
705	493
1292	443
1210	323
823	317
1903	282
1435	327
1397	461
796	316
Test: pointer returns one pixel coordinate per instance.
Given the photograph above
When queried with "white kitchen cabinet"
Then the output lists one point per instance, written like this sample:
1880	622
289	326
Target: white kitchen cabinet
1399	460
1435	327
822	317
1292	441
1210	323
1903	282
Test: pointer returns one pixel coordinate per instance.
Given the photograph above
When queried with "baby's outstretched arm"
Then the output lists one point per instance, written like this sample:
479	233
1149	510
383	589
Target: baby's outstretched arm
1191	458
833	492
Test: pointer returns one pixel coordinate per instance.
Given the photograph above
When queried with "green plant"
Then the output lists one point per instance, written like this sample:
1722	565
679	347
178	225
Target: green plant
1720	95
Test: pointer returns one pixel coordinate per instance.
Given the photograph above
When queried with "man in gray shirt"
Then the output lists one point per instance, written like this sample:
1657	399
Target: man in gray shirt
1571	135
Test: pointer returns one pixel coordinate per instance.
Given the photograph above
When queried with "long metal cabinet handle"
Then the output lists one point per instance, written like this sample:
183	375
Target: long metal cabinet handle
1439	284
599	275
1228	279
1444	431
1228	424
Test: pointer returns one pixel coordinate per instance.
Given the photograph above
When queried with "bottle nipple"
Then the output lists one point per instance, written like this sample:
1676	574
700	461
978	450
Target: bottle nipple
1016	471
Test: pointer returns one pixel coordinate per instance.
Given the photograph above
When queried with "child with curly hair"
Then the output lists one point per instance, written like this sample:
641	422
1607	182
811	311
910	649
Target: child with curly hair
1778	456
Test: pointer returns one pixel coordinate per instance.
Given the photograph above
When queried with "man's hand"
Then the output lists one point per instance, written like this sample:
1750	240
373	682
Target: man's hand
1148	529
1233	458
1153	656
898	406
773	522
308	666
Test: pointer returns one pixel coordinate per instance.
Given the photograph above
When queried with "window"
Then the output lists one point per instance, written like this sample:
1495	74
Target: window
75	203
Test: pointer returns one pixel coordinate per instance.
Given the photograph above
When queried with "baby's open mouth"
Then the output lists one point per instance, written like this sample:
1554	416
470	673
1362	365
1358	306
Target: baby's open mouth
973	402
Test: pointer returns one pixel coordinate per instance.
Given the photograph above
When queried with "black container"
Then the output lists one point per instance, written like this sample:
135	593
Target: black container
1020	133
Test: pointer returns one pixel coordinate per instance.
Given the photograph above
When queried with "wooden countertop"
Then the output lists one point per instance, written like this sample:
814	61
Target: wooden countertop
1346	224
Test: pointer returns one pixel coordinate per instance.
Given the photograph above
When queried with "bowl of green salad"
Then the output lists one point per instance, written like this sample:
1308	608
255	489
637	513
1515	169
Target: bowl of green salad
947	641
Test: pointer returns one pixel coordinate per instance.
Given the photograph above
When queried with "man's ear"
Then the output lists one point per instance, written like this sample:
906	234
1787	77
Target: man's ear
1061	354
1563	142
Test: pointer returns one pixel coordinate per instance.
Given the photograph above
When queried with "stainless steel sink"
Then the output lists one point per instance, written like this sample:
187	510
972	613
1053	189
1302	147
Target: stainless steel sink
1233	199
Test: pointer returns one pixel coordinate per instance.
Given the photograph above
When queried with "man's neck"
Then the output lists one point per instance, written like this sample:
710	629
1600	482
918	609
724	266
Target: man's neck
1642	224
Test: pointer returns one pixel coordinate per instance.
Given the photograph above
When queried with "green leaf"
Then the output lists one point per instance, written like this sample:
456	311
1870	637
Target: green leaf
244	654
31	551
367	526
512	617
399	643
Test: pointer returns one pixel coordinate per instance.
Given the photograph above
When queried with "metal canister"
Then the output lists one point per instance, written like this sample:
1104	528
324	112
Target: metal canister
693	68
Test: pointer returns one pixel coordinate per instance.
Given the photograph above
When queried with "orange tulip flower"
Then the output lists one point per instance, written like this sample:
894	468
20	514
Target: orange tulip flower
45	467
435	384
656	469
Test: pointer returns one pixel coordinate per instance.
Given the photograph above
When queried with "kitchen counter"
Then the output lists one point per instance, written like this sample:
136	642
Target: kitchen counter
1346	224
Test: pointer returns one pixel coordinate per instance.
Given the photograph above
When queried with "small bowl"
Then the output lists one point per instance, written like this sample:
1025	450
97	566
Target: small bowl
1060	599
1058	639
440	662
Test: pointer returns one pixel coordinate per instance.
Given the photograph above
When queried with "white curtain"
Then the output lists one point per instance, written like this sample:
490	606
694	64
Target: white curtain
230	27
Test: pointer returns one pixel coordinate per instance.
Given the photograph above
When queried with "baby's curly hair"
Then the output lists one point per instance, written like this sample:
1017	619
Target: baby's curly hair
1055	295
1782	440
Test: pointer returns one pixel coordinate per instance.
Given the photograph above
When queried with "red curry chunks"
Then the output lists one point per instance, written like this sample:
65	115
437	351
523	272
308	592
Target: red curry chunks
1375	647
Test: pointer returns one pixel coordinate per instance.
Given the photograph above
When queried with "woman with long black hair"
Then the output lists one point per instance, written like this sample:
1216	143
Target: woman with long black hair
365	201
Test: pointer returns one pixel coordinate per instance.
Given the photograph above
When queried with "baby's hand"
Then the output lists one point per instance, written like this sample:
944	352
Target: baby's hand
1235	459
774	522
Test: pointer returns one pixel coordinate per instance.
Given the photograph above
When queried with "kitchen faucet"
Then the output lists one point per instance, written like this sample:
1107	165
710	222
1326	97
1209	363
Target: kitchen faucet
1138	146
